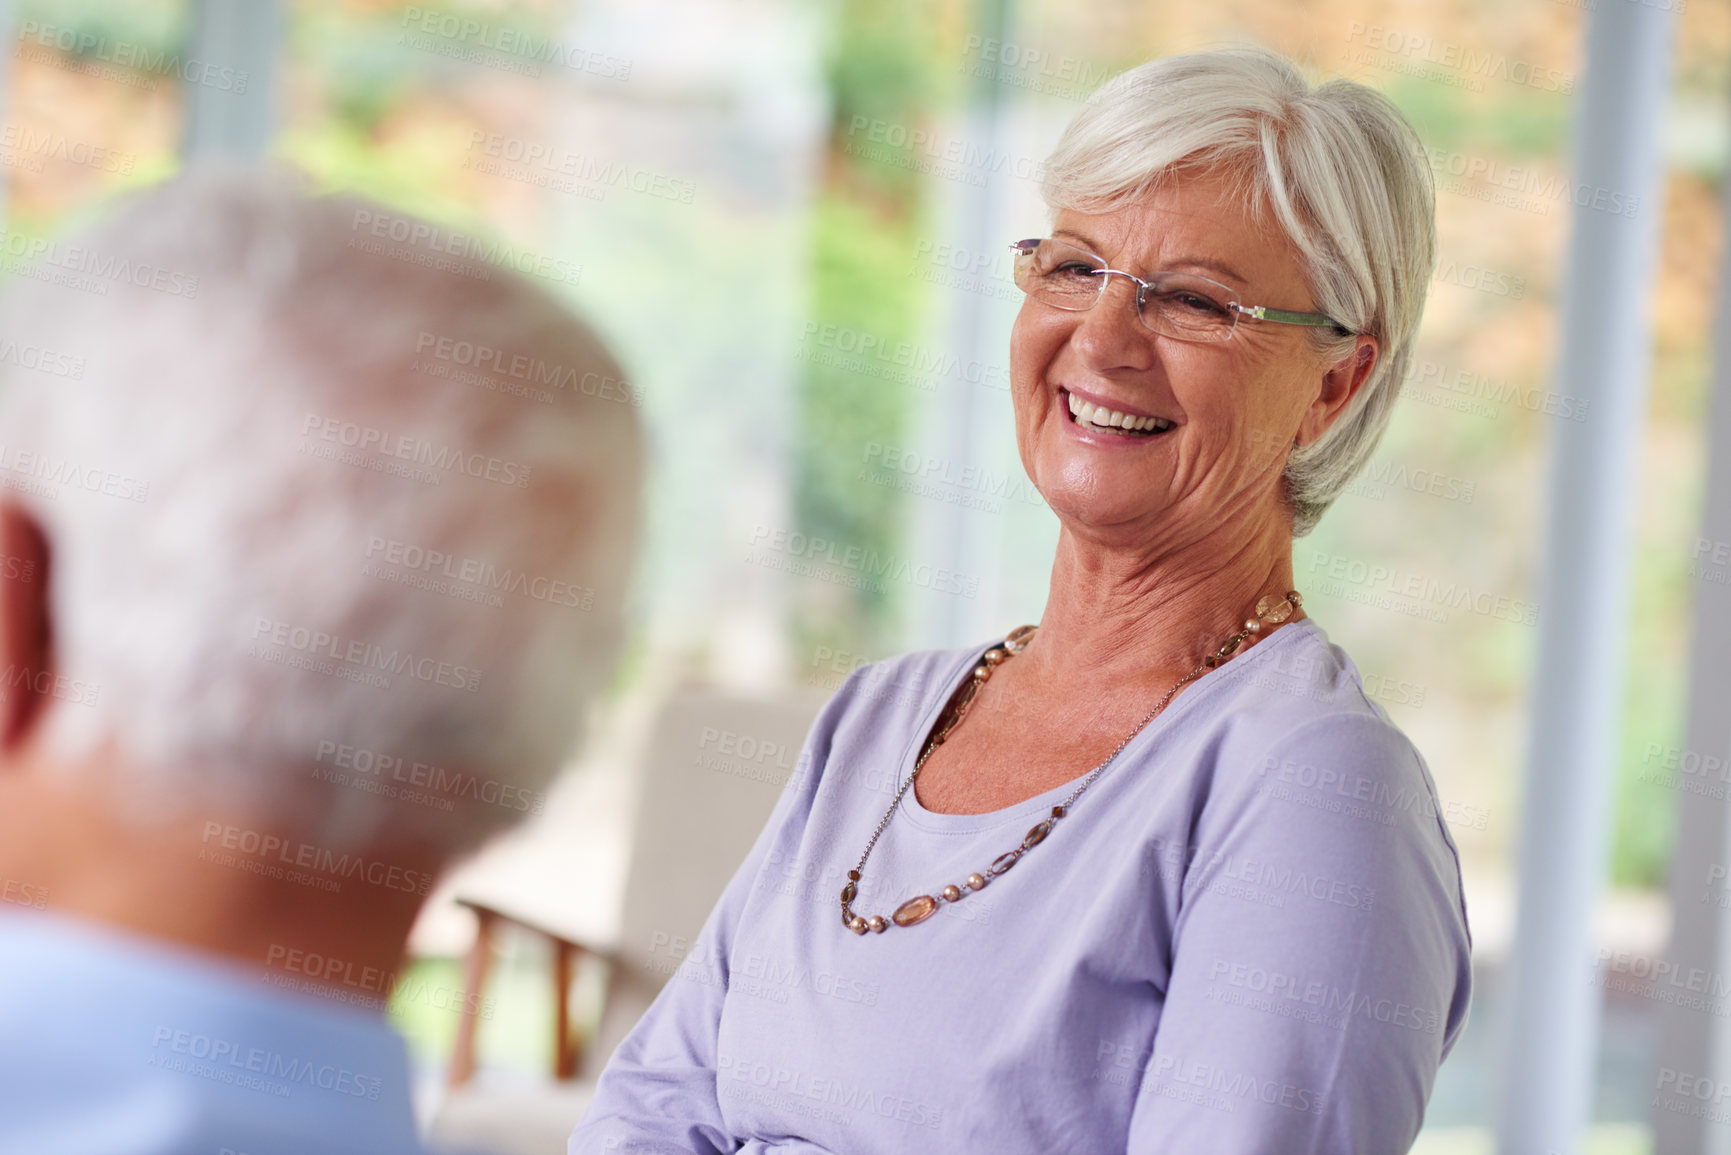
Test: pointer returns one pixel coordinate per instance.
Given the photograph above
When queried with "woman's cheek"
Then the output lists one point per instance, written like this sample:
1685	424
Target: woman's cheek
1029	357
1070	488
1027	393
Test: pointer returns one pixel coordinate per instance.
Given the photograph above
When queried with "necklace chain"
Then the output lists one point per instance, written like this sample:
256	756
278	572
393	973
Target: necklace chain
1269	611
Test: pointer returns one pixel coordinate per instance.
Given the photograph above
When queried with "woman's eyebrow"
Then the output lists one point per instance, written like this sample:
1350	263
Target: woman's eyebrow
1198	262
1216	266
1086	242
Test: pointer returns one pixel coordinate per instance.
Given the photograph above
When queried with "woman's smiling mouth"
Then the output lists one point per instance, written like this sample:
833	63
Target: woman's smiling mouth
1100	419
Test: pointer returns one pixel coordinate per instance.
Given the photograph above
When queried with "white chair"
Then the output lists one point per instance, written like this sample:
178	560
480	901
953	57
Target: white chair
713	768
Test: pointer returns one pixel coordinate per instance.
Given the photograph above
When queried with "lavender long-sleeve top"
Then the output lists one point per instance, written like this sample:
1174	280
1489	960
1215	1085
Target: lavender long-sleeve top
1248	936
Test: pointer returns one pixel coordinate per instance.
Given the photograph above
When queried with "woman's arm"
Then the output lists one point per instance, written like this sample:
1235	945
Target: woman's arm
1321	966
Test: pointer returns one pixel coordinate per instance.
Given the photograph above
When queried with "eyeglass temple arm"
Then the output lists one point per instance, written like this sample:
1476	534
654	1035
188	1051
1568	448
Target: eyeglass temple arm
1284	317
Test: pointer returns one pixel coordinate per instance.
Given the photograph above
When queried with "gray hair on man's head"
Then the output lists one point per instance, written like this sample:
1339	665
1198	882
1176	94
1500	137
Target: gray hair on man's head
1345	176
339	524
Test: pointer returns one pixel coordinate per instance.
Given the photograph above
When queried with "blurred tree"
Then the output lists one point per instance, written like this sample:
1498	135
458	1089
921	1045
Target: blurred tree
883	66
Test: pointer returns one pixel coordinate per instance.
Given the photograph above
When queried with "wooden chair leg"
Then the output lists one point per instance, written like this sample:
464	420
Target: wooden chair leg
475	969
564	1051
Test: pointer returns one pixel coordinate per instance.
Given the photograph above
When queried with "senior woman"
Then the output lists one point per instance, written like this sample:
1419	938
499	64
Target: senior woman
1155	876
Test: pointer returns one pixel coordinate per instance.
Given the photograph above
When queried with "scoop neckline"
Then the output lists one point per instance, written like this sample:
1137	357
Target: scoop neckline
940	823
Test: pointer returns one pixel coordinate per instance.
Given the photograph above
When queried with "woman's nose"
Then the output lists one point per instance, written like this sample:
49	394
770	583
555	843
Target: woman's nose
1111	335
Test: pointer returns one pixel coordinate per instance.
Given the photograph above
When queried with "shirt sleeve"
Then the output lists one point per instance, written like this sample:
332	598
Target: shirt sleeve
657	1095
1321	959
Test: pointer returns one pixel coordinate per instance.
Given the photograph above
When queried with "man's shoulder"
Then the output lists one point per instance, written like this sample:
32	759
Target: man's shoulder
111	1033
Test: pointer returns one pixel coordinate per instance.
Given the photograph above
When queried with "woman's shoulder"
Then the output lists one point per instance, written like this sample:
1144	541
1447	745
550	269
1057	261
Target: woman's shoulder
1298	689
1299	674
887	701
1297	735
880	698
1316	821
913	678
1302	749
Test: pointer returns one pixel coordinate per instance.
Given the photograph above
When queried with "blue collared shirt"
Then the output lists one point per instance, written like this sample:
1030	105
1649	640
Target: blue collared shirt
112	1044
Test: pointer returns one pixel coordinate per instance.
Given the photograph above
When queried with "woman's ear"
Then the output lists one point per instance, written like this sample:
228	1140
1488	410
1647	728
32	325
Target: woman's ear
1339	385
26	625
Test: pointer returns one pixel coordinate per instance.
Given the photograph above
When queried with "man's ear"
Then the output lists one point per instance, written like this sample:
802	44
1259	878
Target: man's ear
1340	384
26	625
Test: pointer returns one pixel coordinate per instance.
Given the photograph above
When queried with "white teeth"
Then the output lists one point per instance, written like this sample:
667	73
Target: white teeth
1087	413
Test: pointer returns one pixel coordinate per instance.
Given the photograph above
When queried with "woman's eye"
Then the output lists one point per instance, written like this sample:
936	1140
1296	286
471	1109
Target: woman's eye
1194	302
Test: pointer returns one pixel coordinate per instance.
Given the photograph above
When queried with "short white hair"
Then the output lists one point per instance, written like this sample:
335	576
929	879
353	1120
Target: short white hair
310	489
1345	176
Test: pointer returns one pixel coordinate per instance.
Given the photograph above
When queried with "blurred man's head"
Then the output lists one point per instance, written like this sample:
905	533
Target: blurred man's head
314	530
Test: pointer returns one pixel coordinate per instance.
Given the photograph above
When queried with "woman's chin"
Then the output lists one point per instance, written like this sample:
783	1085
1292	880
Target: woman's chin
1094	510
1083	492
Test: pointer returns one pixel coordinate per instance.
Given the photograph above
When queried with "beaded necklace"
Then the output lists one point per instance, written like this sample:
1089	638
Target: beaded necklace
1269	611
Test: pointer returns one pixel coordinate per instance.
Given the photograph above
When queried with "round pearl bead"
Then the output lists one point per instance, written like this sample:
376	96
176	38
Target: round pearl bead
878	923
976	881
951	893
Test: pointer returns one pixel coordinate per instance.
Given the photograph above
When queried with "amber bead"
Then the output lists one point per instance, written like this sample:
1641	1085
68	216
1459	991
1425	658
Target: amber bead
915	910
849	891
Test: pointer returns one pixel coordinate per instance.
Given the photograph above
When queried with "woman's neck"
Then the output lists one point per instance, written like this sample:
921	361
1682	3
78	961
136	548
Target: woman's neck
1118	613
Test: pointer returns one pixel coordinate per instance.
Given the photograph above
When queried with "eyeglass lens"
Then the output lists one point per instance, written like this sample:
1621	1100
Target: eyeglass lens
1175	304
